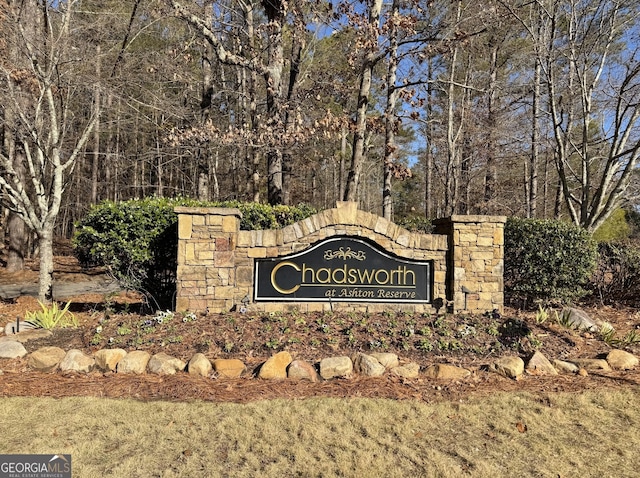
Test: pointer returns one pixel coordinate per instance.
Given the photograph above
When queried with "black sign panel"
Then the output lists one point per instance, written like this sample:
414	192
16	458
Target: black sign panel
343	269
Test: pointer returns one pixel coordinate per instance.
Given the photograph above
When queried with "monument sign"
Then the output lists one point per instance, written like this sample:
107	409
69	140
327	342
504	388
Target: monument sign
343	269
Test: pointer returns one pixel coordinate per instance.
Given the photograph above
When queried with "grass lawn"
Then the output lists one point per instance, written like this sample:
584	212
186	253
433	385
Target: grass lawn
506	435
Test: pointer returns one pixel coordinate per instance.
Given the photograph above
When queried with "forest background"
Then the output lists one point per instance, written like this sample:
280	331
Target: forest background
413	109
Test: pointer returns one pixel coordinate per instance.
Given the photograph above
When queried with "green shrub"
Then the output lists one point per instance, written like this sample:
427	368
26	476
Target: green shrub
546	260
617	276
633	219
615	228
136	240
416	223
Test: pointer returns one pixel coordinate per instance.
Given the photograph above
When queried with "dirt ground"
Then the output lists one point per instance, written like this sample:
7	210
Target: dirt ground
116	320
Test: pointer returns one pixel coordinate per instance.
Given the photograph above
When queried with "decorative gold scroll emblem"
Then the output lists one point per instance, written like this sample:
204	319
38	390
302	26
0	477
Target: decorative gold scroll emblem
344	254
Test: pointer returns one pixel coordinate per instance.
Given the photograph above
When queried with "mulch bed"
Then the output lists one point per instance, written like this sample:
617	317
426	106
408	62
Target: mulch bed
183	387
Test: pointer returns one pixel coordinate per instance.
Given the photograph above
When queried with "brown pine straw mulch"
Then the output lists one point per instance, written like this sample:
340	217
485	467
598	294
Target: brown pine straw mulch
183	387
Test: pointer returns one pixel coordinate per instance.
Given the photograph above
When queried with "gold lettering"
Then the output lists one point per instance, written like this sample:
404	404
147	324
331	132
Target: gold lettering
327	278
273	277
306	269
378	272
353	276
366	276
413	275
344	275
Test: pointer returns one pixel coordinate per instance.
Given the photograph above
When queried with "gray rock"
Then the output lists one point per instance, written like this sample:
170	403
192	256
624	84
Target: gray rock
75	361
301	370
592	364
107	359
387	359
12	327
367	365
46	359
11	349
200	365
164	364
538	364
134	362
565	367
510	367
579	319
621	360
334	367
446	372
409	370
32	334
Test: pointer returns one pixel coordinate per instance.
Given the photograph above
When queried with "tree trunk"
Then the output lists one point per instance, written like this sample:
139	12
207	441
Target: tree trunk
45	276
16	230
428	163
17	242
275	10
532	197
452	173
366	73
491	176
295	62
253	157
96	134
343	155
390	114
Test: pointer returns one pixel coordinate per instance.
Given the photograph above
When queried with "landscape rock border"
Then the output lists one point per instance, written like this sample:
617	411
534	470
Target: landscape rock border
283	366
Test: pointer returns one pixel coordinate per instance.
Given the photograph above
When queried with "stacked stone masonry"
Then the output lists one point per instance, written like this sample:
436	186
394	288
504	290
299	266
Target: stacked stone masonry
216	259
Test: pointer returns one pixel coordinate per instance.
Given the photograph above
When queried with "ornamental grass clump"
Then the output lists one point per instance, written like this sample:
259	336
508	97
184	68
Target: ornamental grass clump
52	316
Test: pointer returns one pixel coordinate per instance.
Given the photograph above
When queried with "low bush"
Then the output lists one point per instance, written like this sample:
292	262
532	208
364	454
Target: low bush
546	261
136	240
416	223
617	276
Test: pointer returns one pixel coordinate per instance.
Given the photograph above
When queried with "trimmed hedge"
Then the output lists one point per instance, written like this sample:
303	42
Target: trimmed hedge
137	240
547	260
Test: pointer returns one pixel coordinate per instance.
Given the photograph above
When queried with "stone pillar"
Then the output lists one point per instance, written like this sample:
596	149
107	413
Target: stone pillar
206	275
475	262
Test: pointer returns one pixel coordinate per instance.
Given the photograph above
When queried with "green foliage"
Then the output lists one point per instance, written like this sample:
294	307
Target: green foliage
617	277
137	239
416	223
546	260
608	334
257	216
633	219
52	316
564	319
542	315
615	228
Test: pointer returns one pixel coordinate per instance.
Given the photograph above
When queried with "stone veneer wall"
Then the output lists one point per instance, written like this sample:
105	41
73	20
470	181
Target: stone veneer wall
216	259
476	261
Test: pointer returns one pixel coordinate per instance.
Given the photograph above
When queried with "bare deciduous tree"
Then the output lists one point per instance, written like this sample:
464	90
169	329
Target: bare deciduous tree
43	124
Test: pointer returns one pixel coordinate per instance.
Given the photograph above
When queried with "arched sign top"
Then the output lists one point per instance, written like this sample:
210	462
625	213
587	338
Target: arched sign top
343	269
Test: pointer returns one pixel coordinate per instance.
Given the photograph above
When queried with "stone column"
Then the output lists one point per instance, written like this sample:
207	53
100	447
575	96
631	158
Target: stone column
475	262
206	275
